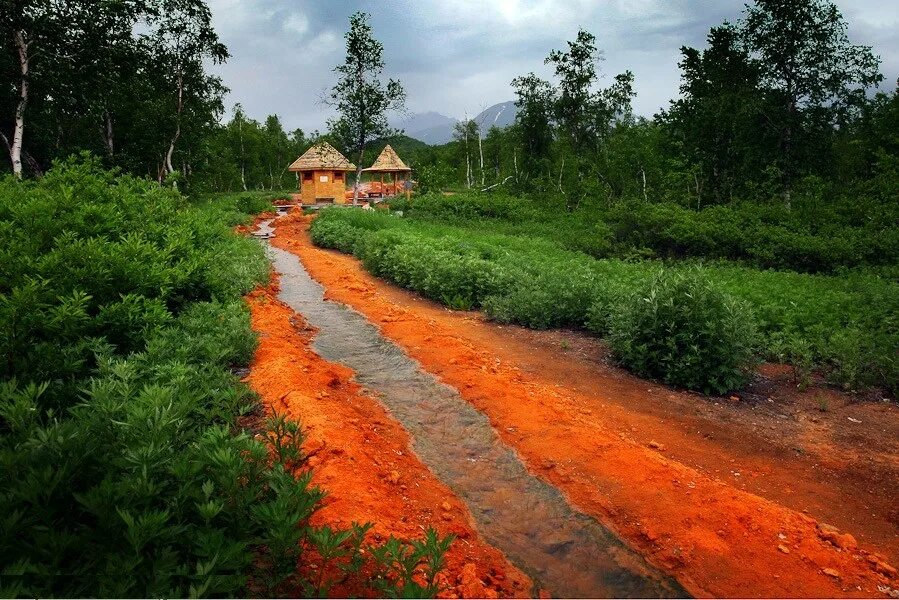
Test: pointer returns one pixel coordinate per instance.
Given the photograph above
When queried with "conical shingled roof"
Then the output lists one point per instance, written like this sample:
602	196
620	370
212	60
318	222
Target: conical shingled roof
322	156
388	162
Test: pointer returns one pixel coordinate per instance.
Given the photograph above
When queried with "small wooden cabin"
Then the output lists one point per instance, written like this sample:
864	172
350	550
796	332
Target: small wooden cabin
322	174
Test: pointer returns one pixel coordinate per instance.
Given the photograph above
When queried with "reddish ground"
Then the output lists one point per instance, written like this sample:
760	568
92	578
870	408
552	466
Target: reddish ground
731	496
362	457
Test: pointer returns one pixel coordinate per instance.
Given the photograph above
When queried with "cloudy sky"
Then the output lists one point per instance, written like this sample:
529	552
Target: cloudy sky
457	57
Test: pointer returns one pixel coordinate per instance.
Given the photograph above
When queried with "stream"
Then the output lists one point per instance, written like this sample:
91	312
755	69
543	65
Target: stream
564	551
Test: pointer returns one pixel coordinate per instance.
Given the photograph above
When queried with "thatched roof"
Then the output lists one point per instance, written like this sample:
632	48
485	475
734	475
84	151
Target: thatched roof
322	156
387	162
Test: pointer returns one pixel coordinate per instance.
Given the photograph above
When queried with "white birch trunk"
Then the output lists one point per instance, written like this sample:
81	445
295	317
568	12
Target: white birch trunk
481	151
643	174
168	156
15	149
106	132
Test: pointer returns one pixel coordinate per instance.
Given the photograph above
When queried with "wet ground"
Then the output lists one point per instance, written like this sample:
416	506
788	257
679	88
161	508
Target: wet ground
730	497
564	551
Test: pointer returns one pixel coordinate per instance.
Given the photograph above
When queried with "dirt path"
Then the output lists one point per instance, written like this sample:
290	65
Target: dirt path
711	493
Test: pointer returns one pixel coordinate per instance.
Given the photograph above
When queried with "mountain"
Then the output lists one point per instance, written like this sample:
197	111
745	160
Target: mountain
435	129
434	136
498	115
430	127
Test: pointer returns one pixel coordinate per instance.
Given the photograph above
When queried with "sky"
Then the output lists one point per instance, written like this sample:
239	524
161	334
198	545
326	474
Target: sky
457	57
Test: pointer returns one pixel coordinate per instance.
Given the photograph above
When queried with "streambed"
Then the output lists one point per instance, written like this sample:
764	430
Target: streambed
565	551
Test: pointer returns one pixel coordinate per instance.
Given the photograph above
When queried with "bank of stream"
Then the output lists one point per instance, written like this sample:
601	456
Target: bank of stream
565	551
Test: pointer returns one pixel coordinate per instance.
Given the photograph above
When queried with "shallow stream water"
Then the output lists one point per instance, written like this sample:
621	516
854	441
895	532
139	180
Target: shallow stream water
566	552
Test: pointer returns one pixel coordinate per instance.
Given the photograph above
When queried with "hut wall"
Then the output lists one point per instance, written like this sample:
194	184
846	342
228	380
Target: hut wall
321	186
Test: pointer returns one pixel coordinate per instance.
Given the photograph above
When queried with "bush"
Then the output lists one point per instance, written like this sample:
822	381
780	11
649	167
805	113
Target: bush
681	330
124	471
524	272
253	203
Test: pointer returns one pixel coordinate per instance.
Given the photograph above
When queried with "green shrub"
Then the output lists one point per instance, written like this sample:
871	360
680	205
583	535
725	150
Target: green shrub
554	296
335	234
253	204
681	330
123	468
523	271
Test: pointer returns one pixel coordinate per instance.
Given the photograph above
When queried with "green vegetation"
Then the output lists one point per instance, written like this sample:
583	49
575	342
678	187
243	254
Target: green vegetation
681	330
754	218
125	466
510	257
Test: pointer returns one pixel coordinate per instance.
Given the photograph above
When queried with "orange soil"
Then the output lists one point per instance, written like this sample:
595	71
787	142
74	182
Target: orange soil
362	456
576	429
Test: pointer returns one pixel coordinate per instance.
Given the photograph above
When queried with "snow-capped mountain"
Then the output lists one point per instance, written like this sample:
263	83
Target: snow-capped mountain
434	128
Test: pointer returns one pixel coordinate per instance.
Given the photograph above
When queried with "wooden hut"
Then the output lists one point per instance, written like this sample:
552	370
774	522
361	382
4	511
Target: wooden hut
389	162
322	174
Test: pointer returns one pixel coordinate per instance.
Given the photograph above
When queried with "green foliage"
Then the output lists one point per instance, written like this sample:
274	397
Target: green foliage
526	263
245	154
123	465
105	77
813	237
402	565
681	330
361	96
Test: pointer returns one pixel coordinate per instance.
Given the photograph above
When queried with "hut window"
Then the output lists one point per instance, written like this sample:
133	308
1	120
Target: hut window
338	177
307	176
323	178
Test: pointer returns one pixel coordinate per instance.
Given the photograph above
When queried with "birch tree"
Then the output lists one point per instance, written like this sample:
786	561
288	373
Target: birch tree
464	132
181	38
361	97
807	60
535	99
30	29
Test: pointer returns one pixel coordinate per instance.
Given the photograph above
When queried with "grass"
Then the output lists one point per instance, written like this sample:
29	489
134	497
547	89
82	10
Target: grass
524	272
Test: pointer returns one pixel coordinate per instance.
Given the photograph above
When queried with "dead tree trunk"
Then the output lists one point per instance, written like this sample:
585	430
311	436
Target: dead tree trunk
243	178
515	163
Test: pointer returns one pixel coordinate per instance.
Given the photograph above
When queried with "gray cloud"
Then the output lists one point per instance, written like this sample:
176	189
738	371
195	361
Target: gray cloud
457	57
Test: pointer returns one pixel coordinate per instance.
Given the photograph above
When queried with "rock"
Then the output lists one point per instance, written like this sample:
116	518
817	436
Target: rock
446	516
783	549
847	541
831	573
844	541
885	589
446	506
557	542
885	569
470	585
657	446
824	527
394	477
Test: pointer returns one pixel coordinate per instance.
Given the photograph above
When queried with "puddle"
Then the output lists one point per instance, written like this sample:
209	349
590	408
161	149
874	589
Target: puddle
566	552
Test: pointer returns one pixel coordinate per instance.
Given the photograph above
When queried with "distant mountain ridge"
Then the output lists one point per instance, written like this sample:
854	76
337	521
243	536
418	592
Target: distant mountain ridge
435	129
